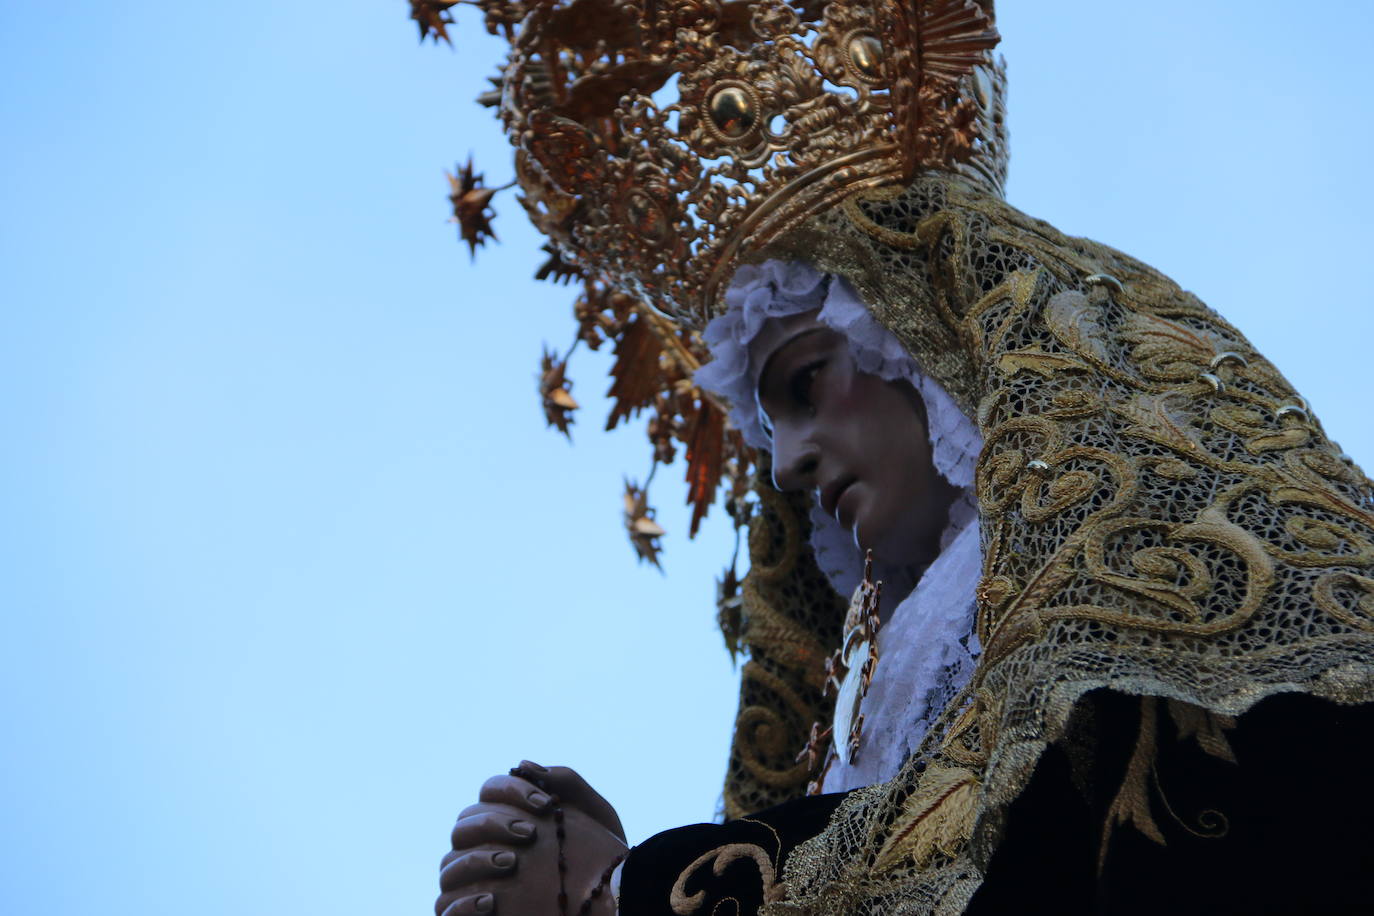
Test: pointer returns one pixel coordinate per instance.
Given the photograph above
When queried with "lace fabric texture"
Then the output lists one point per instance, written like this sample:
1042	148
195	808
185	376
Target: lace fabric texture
1161	515
926	654
927	649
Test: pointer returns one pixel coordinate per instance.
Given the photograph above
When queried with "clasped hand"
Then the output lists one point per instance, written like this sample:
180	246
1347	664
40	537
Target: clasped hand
505	856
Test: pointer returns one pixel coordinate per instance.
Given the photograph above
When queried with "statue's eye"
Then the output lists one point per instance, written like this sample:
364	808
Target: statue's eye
803	381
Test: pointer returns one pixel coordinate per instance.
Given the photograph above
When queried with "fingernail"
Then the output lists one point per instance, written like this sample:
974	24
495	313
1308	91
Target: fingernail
522	828
484	903
503	859
539	799
531	765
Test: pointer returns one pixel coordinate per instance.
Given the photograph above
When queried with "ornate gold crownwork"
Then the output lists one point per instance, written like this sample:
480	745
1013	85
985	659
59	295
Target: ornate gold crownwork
659	142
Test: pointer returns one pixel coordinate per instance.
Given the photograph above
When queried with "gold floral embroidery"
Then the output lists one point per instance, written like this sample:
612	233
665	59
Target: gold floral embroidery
938	817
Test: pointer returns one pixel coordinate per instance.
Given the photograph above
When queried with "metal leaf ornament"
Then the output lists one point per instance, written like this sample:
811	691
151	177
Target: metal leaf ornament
636	371
433	18
639	522
730	612
555	269
705	458
554	390
471	206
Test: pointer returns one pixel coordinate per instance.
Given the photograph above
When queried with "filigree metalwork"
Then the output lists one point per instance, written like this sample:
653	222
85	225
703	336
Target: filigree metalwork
659	143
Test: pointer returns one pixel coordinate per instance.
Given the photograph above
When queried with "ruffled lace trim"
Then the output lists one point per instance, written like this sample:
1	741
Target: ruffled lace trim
774	289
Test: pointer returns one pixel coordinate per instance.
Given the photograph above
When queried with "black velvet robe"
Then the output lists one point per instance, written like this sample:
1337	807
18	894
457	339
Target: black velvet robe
1288	828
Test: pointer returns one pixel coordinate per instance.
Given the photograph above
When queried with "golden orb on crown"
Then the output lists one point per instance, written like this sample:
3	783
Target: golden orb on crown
659	141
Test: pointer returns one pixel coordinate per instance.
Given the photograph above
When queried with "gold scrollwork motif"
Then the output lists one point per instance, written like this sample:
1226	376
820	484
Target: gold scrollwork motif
1002	468
791	621
1174	580
766	731
1164	419
1166	351
1327	467
1301	526
1259	433
1331	473
775	542
720	858
1346	596
1071	478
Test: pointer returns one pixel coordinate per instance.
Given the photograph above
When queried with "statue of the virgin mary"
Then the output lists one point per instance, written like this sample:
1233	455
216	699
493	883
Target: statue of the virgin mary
1106	640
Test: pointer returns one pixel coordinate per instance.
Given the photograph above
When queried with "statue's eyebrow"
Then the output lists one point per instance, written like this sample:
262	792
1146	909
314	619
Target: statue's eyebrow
767	363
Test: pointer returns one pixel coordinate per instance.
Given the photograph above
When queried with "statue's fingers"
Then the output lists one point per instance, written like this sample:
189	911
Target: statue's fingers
493	825
468	906
482	807
573	790
512	790
478	865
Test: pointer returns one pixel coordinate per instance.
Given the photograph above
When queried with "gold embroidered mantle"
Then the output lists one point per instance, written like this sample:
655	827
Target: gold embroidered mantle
1161	514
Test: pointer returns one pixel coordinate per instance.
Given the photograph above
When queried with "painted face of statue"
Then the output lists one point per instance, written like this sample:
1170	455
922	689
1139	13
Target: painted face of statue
858	441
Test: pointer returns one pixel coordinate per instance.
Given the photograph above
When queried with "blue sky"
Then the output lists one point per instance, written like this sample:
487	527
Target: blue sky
289	563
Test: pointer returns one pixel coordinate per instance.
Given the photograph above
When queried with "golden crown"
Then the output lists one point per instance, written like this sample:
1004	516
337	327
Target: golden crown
660	142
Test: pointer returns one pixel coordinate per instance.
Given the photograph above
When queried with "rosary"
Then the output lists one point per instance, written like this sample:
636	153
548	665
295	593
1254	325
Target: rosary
522	772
